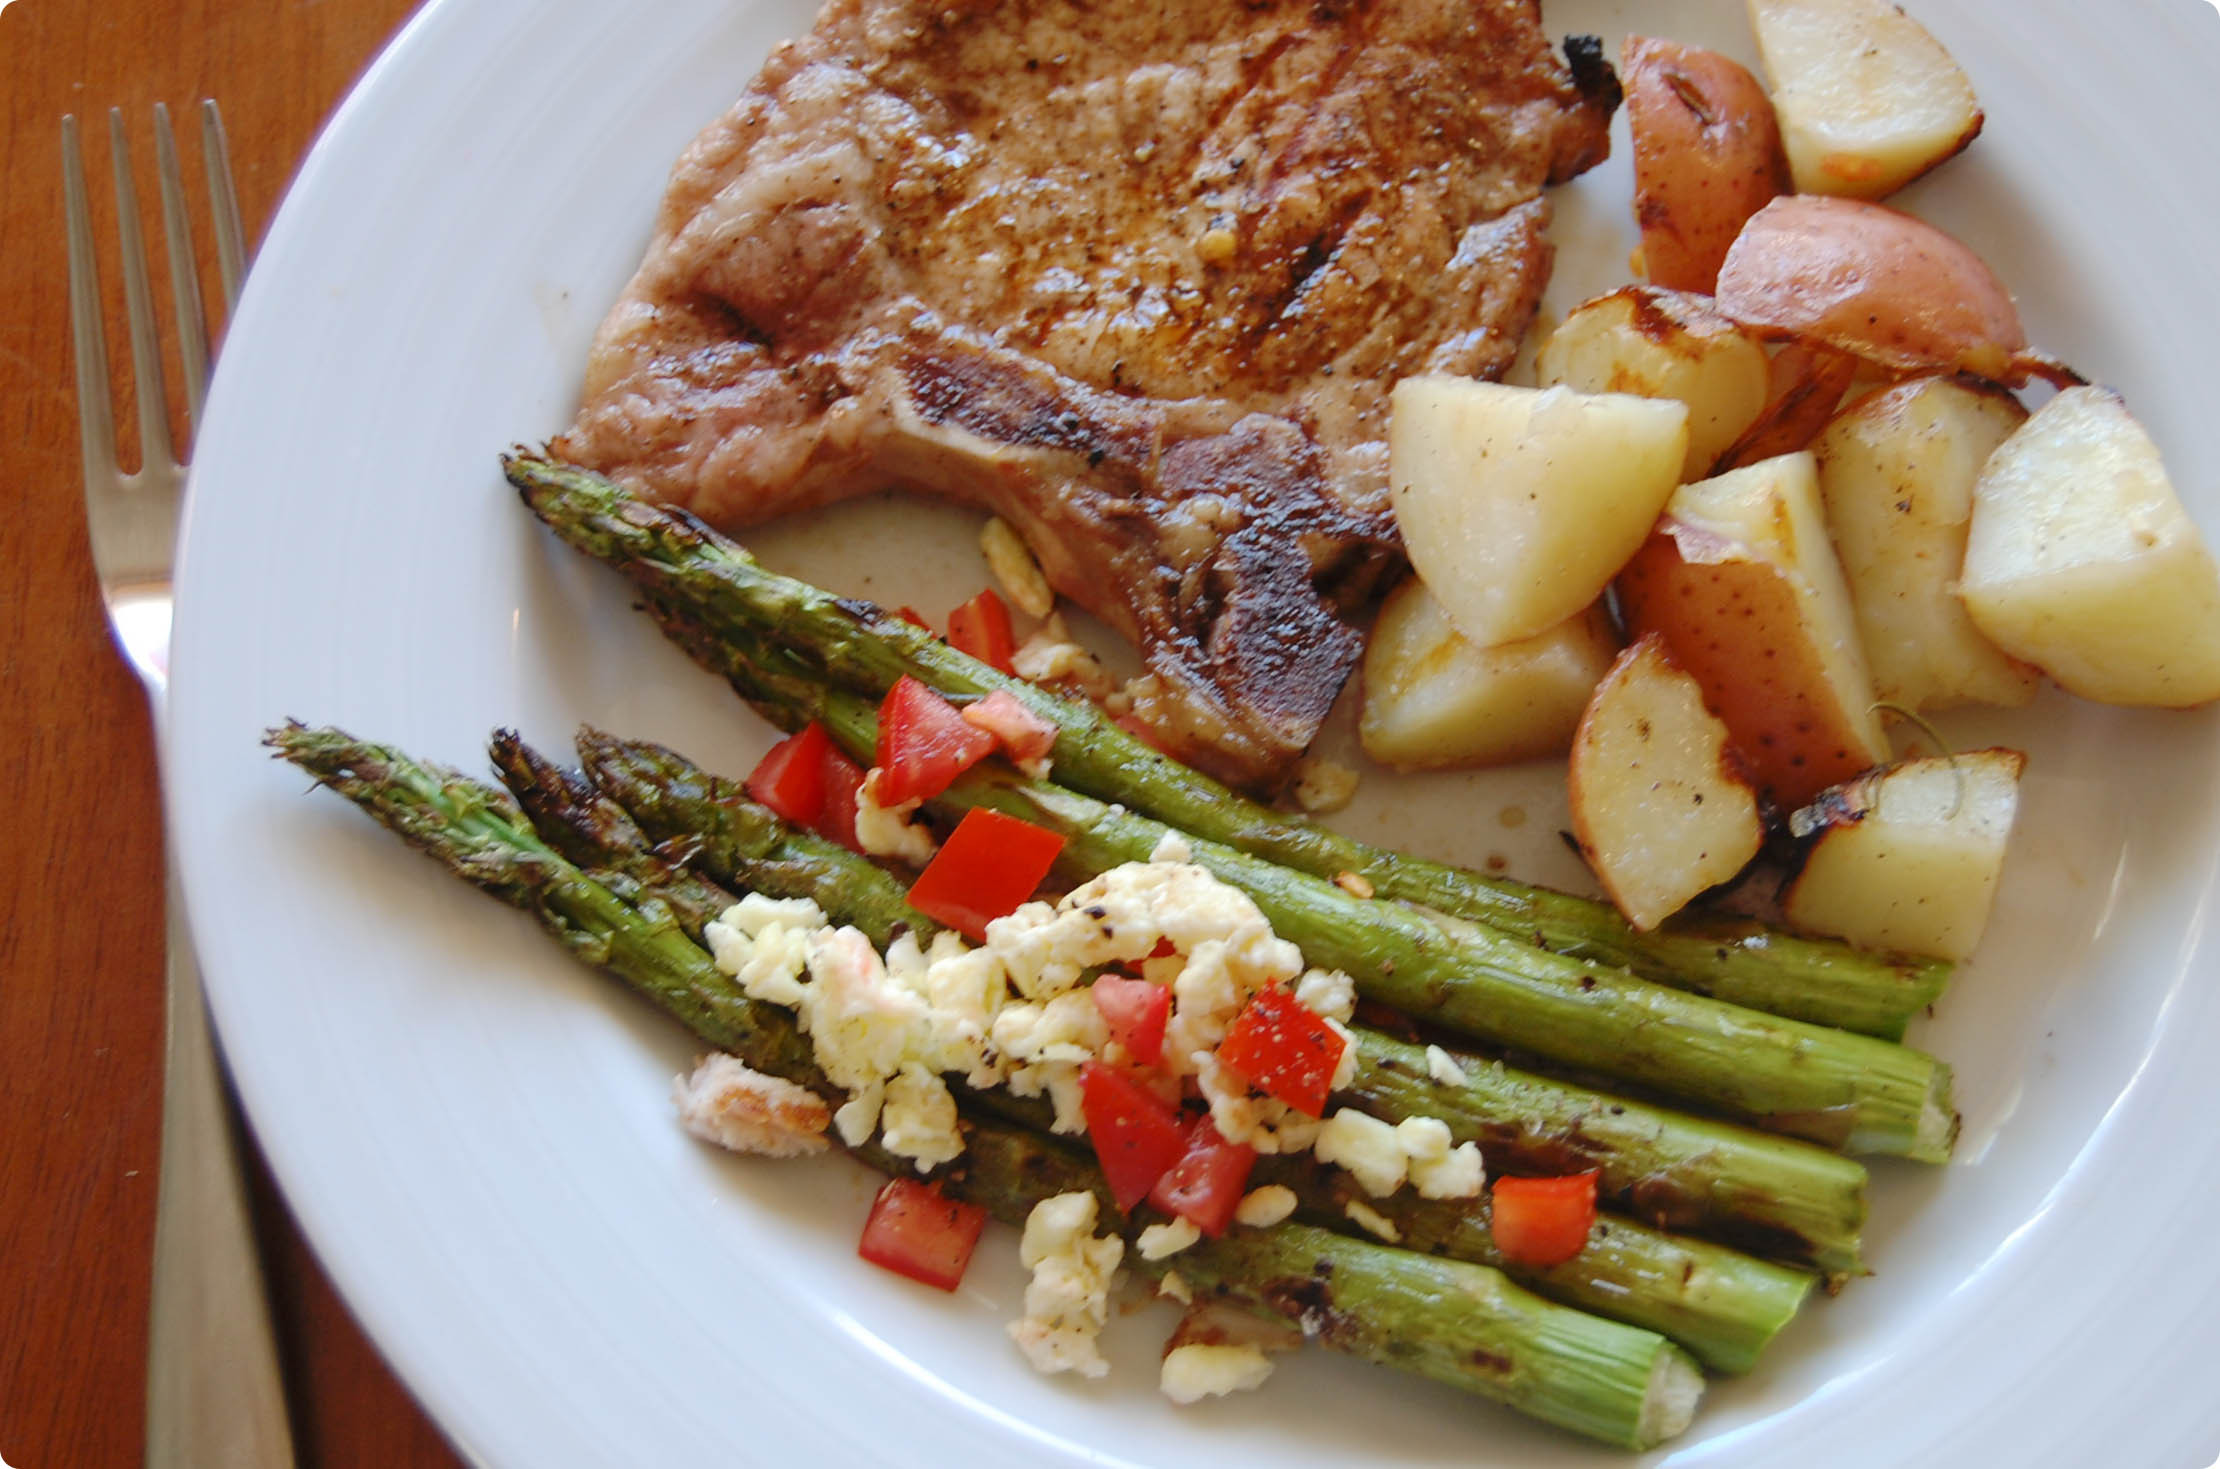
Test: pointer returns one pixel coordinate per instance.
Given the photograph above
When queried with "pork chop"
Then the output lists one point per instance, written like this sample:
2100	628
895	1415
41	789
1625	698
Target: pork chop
1137	277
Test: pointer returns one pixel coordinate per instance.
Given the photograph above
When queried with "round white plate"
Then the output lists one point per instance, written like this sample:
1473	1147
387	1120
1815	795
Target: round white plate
476	1132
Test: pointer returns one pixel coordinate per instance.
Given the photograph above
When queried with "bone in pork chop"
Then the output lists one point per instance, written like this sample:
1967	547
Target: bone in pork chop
1138	277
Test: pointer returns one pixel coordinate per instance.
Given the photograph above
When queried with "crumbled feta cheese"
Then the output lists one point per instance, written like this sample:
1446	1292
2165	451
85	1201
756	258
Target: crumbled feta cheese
1372	1221
1323	786
1012	563
1068	1299
1370	1149
1202	1370
1172	847
726	1103
1261	1208
1327	992
1162	1241
889	831
1044	1045
1174	1287
1242	1116
1443	1067
1458	1174
1345	1066
918	1120
764	943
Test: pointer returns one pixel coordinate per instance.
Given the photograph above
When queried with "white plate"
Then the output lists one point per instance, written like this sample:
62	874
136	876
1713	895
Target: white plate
476	1133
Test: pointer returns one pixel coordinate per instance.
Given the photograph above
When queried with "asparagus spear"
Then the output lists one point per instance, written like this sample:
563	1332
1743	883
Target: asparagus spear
1457	1323
1673	1171
672	555
1848	1091
1721	1305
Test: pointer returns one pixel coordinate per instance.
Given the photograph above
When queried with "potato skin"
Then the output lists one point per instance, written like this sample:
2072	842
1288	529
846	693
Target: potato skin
1707	156
1875	282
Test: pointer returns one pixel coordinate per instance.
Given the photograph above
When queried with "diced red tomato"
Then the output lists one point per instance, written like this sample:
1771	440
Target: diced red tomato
924	744
1136	1137
1543	1221
843	778
988	866
981	627
915	1230
1283	1048
791	778
1164	949
1026	735
913	617
1135	1011
1206	1184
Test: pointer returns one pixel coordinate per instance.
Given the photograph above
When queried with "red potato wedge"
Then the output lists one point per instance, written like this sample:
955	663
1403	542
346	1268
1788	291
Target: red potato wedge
1868	100
1876	283
2081	560
1805	385
1434	701
1655	343
1742	585
1906	858
1707	156
1660	806
1896	472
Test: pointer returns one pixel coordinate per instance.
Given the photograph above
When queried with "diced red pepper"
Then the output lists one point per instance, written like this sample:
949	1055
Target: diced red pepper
1136	1137
843	778
1281	1047
924	744
981	627
988	866
791	778
1543	1221
913	617
1205	1186
1135	1011
916	1231
1026	735
1164	949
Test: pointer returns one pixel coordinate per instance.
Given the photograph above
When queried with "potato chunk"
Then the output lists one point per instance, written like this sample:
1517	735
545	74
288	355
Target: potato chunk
1707	156
1434	700
1867	99
1897	471
1517	505
1742	584
1906	858
1659	804
2081	560
1662	344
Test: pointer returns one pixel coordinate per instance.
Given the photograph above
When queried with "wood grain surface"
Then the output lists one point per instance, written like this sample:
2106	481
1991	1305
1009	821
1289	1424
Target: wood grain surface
81	868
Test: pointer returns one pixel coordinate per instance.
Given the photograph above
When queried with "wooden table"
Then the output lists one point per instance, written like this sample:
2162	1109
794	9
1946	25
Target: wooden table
81	870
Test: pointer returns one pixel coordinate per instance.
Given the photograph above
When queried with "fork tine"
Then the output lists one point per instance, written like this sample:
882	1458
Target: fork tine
138	297
223	204
96	420
177	234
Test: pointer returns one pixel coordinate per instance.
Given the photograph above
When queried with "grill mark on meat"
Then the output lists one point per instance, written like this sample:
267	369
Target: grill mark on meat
959	246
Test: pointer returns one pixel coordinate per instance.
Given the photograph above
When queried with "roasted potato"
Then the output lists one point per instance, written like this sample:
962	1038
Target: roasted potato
1707	156
1660	806
1896	473
1876	283
1433	700
1744	588
1805	386
1867	99
1517	505
1906	858
2081	560
1664	344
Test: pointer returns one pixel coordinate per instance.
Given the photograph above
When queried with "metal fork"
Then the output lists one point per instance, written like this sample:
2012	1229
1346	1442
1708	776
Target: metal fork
214	1396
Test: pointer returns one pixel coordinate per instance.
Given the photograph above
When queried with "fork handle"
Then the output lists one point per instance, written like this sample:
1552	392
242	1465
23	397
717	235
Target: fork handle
213	1391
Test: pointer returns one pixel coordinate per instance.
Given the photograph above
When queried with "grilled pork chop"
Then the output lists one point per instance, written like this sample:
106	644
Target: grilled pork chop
1138	277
